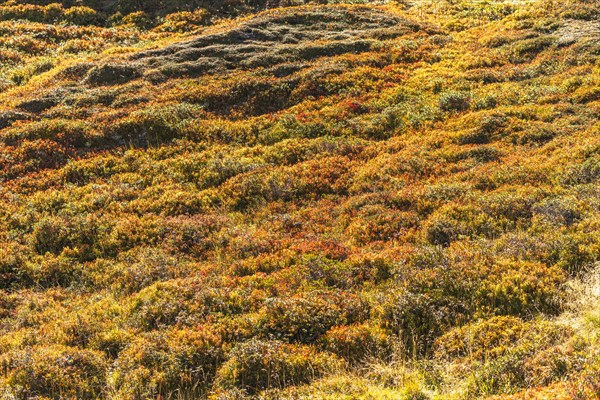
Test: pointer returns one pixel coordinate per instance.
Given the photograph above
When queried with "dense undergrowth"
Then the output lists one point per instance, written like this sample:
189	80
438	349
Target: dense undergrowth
394	201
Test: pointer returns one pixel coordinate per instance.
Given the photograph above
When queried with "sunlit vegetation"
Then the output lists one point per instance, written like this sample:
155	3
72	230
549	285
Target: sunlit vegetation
280	200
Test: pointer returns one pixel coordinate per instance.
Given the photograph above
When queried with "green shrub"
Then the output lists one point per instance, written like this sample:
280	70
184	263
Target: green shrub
57	372
487	102
50	13
512	369
50	270
451	223
443	231
482	154
184	21
56	234
12	260
419	319
151	126
139	19
378	223
358	343
554	363
558	211
526	49
473	137
111	342
135	270
519	288
258	365
587	95
161	364
454	101
63	131
507	209
305	317
37	155
583	173
182	302
489	127
81	15
534	135
481	340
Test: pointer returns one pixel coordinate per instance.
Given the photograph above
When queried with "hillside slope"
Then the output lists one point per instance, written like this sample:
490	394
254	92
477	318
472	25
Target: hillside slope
319	201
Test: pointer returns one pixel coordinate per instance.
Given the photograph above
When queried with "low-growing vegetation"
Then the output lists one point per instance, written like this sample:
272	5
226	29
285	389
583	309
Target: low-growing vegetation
292	200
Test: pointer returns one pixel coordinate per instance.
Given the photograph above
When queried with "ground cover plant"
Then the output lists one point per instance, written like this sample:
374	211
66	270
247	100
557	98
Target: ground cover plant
300	200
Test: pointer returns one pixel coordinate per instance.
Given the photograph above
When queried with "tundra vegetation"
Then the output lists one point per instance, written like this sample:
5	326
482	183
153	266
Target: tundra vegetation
254	199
